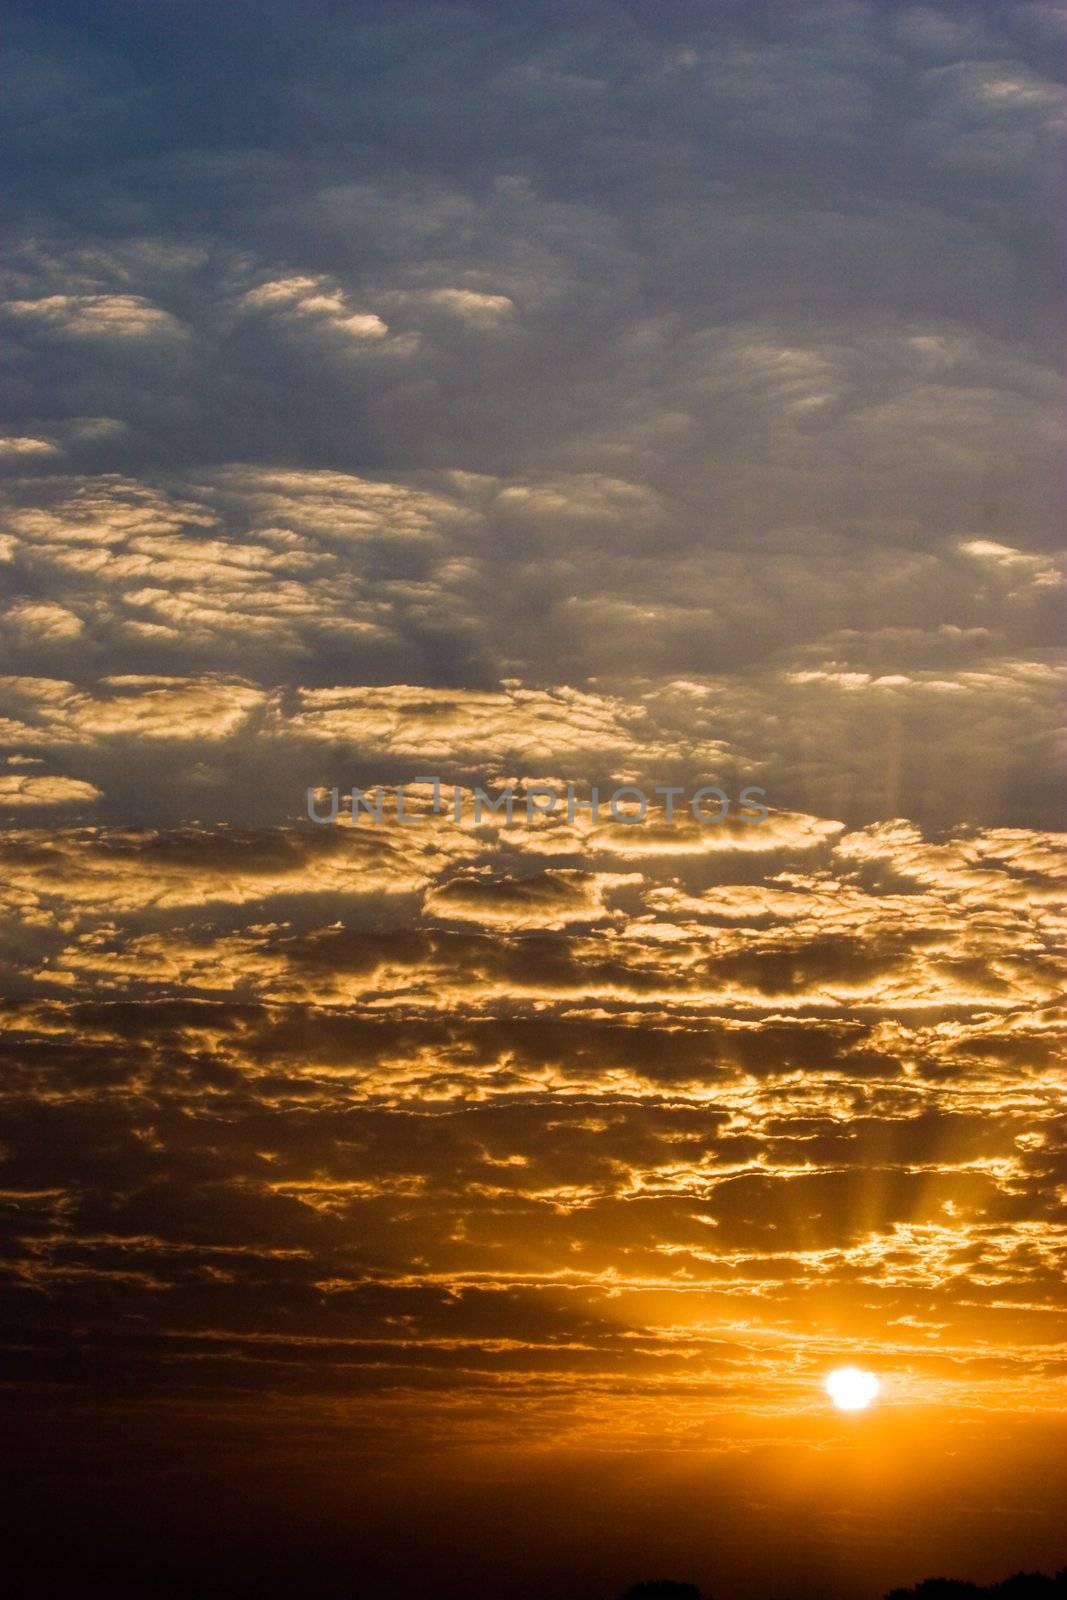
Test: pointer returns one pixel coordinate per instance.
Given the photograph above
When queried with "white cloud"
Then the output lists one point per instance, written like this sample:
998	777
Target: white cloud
119	316
22	448
316	300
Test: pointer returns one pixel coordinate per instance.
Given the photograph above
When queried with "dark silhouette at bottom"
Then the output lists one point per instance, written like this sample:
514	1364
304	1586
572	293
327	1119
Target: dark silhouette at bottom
1023	1586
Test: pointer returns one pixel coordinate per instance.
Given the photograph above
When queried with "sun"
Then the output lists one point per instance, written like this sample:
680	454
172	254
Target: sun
852	1389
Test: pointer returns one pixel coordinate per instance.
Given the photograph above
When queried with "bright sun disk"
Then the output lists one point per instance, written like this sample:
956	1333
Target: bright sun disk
852	1389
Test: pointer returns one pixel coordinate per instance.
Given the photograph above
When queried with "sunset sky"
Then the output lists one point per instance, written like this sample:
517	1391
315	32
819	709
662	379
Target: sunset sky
553	392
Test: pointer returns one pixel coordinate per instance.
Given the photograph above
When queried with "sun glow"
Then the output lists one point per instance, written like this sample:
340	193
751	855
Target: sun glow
852	1389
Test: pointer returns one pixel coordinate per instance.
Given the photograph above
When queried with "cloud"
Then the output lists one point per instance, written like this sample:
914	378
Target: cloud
472	306
550	899
40	620
17	791
20	447
58	713
316	299
117	316
487	728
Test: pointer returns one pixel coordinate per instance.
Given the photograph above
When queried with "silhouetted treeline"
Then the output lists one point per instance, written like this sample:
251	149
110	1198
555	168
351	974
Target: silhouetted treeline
1023	1586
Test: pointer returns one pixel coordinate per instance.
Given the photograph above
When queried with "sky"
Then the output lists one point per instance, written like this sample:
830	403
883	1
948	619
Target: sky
550	393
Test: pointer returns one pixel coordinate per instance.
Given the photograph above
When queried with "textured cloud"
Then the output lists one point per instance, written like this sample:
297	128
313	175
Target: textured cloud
546	900
14	448
58	712
18	790
107	316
